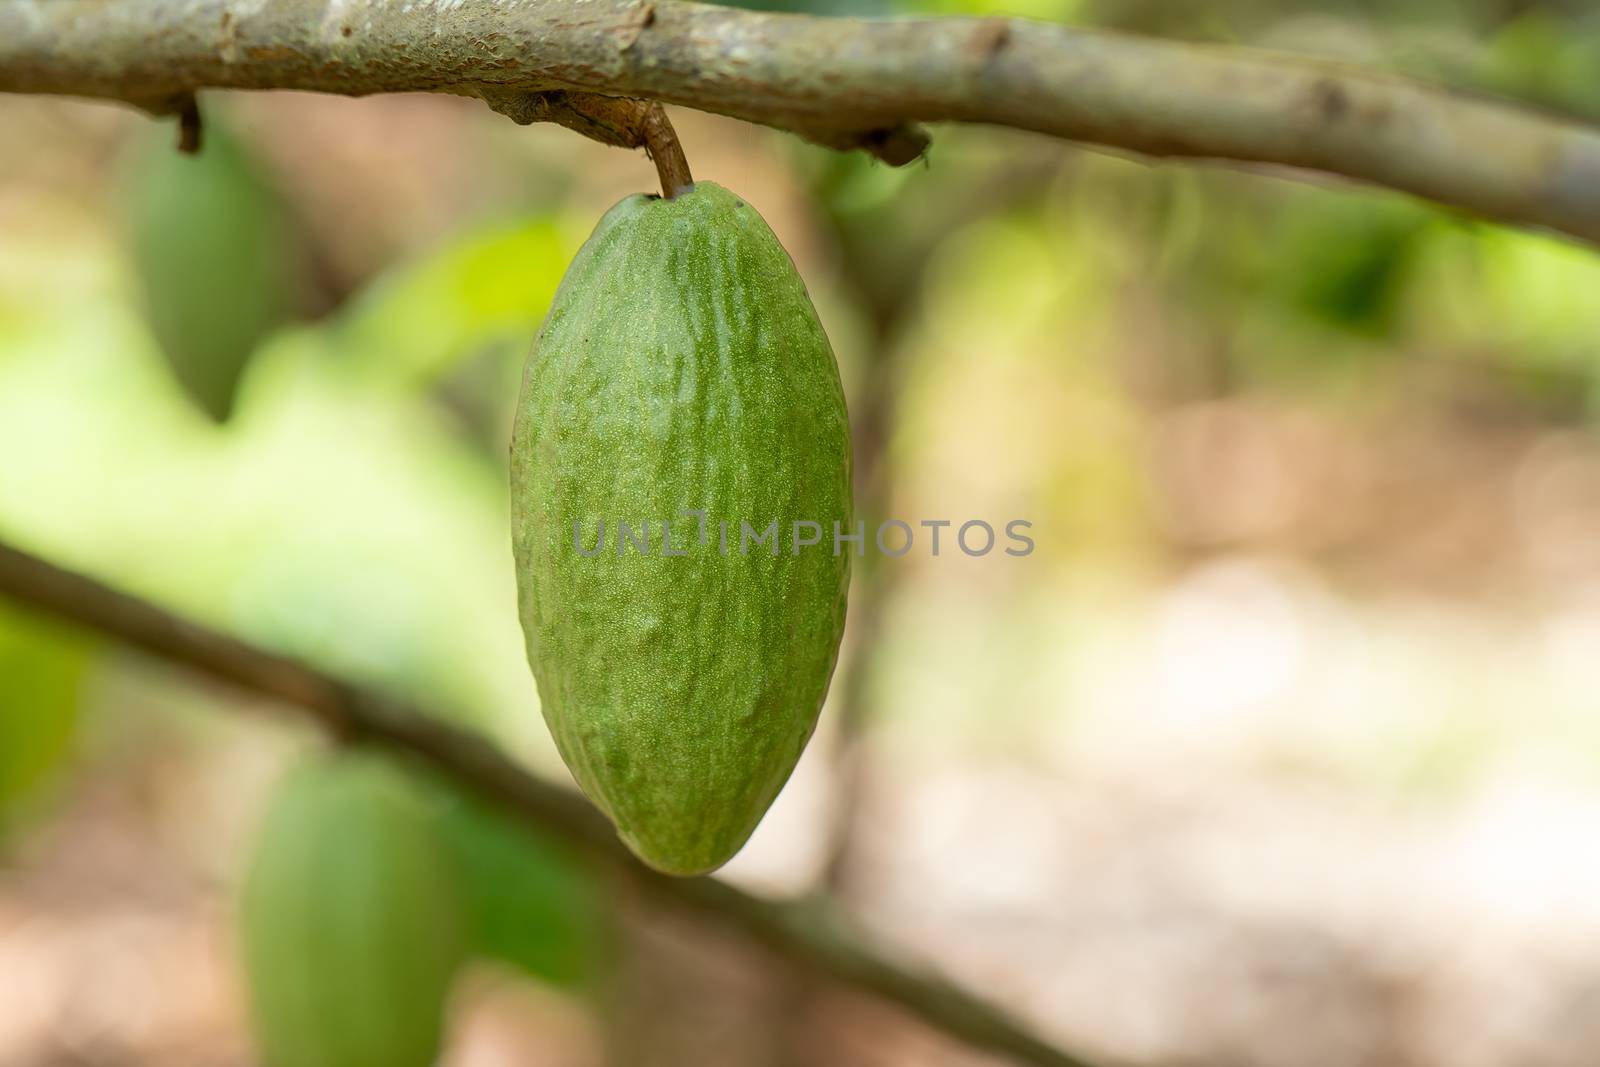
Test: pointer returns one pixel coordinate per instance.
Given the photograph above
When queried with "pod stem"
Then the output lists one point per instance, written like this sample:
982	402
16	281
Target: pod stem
661	145
189	125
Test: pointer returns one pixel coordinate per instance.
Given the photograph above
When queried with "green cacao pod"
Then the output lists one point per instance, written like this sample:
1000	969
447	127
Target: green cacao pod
351	921
681	377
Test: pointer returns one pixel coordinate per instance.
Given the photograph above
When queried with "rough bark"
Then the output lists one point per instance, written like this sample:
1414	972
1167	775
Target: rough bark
842	82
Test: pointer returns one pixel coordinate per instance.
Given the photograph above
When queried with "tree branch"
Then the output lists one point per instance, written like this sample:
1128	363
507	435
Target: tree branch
805	932
845	83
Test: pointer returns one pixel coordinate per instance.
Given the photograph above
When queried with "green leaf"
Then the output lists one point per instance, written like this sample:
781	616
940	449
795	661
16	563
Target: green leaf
532	904
213	260
1342	261
418	322
1352	273
41	675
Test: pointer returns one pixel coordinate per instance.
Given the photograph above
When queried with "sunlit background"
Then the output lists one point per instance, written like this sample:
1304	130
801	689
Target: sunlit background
1280	748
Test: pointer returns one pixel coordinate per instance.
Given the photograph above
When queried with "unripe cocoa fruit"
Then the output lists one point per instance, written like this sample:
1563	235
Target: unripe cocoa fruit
683	385
351	922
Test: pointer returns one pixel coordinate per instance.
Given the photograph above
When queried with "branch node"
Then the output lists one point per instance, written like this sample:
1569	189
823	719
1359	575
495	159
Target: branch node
522	108
228	38
639	19
895	145
988	38
611	120
1330	100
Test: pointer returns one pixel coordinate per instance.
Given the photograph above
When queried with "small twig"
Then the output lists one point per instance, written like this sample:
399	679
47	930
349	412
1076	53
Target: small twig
189	128
807	933
661	143
617	121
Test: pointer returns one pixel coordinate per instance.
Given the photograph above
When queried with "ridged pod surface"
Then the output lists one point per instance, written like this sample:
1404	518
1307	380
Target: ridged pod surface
681	369
350	922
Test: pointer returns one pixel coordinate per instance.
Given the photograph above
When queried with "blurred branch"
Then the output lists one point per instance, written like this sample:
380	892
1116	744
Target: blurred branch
806	932
845	83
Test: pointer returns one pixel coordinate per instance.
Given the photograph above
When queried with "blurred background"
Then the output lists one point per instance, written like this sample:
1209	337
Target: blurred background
1280	748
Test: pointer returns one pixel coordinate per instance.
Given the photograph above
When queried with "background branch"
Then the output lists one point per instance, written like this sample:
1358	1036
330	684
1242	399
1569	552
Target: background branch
845	83
808	933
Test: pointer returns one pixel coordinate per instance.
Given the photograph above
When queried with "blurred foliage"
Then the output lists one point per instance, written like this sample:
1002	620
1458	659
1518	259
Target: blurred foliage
344	517
458	322
1162	366
421	321
1353	258
211	246
42	671
531	903
1546	59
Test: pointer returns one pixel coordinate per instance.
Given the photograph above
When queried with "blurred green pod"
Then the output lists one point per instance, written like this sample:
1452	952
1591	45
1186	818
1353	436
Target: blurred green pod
214	261
351	923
